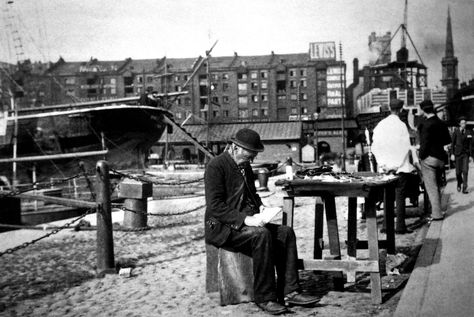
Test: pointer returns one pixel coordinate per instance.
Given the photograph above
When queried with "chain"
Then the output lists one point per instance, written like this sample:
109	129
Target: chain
119	206
147	180
67	225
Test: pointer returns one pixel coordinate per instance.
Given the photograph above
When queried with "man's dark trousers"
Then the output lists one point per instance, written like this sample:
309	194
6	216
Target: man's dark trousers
462	169
400	195
269	246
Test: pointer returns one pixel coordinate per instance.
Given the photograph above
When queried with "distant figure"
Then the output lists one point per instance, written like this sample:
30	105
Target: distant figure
461	148
434	135
391	148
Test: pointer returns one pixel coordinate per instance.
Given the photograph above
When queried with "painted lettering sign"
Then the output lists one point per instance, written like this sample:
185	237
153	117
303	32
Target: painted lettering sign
322	50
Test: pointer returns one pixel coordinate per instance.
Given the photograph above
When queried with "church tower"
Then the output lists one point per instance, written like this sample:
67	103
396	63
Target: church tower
449	64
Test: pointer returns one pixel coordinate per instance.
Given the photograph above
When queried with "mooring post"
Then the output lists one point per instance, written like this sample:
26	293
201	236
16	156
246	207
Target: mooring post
105	241
136	195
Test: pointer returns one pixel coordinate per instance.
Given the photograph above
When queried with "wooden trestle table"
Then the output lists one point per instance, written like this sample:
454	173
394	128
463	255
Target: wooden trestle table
373	189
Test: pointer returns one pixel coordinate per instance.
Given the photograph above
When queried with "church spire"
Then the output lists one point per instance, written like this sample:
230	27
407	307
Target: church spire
449	63
449	38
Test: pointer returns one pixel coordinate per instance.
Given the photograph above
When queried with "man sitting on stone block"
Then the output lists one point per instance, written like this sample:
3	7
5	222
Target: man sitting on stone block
233	222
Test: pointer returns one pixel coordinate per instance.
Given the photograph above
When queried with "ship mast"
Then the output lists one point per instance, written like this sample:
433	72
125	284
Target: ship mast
404	25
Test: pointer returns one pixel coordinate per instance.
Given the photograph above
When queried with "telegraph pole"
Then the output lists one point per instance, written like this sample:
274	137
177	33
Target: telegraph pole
342	108
209	103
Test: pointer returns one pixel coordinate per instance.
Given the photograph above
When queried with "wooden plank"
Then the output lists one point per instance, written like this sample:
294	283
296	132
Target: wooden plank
333	230
318	229
372	236
340	265
55	200
364	244
352	227
288	210
388	203
54	156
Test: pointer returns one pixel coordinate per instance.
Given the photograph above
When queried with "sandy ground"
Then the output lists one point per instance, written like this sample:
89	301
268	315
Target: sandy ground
56	276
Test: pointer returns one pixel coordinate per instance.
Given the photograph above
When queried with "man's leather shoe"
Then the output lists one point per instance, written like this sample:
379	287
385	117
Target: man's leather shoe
296	298
459	188
272	307
465	191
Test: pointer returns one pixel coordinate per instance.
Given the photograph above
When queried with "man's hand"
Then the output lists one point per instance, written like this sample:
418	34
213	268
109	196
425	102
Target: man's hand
254	221
452	157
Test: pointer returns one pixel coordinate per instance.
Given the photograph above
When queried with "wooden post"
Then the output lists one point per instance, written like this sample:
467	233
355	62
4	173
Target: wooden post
135	194
105	242
318	229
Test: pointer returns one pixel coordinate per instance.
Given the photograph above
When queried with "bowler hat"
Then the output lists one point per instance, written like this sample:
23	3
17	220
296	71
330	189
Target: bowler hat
248	139
396	104
427	105
461	118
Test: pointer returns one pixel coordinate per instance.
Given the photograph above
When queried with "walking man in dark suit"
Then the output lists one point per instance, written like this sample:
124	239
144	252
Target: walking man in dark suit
461	148
233	222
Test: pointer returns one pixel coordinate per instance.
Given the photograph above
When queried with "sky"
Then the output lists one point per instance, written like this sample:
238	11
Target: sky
145	29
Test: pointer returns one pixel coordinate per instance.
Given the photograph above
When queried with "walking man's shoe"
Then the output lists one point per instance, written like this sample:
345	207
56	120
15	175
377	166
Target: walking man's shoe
464	191
459	188
272	308
297	298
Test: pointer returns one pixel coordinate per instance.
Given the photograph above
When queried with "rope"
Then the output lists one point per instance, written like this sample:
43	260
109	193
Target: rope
147	180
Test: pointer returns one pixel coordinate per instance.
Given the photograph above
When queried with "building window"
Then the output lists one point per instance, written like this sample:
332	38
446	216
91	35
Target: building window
303	83
177	88
225	86
264	112
243	100
113	91
187	101
281	86
264	84
281	97
264	97
225	76
254	85
70	81
176	78
292	83
254	98
253	75
264	74
242	87
293	97
225	99
215	76
215	113
185	77
294	111
304	110
304	96
255	113
178	115
226	113
292	72
243	113
303	73
113	81
139	79
241	76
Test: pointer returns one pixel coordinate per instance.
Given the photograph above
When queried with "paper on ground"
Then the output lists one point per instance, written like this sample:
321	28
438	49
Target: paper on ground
268	213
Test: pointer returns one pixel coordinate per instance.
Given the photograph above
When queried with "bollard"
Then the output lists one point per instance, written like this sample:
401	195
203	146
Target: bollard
263	174
135	194
105	241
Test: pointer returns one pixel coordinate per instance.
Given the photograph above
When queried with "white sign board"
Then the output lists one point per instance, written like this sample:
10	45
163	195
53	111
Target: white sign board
322	50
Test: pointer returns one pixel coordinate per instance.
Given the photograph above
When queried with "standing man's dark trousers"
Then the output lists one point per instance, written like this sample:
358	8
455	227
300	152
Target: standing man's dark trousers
400	195
270	246
462	169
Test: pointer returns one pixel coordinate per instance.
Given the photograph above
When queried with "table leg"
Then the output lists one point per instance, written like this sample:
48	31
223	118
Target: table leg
288	210
389	198
352	227
333	234
372	237
318	229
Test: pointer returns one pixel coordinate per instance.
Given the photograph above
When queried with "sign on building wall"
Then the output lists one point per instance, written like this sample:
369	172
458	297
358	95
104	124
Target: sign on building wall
322	50
335	88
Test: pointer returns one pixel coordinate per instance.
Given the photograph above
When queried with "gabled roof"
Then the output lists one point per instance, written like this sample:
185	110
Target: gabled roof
268	131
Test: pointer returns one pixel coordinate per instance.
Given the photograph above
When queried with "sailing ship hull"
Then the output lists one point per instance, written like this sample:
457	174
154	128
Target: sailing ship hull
54	143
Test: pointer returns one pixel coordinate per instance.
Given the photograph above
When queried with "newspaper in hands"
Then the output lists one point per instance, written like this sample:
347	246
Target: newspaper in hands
268	213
